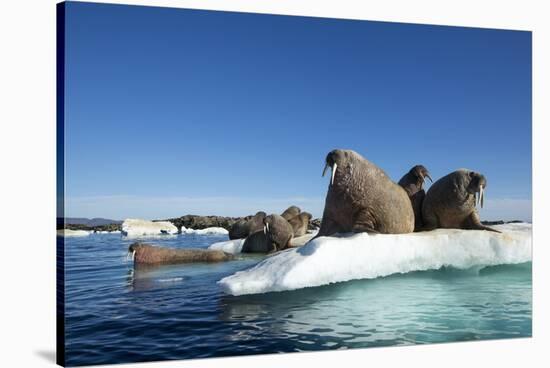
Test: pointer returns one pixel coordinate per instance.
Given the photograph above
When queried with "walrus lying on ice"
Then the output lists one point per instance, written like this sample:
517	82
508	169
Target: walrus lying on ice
300	223
275	236
242	228
451	202
148	254
362	198
291	212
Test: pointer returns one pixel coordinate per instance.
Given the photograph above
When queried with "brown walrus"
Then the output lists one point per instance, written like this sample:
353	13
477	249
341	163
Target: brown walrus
300	223
148	254
291	212
257	242
242	228
275	236
412	182
451	202
362	198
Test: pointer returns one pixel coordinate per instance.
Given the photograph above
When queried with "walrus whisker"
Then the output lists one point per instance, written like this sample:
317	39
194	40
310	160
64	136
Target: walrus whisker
333	173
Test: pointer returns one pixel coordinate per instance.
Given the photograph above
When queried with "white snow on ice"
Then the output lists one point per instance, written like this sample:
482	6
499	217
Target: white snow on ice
235	246
137	228
207	231
327	260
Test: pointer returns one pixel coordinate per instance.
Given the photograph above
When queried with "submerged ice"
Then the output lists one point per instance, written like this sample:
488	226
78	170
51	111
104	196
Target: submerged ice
231	246
327	260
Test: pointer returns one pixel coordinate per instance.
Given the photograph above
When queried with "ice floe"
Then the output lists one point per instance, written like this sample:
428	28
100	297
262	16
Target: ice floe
137	228
68	232
327	260
207	231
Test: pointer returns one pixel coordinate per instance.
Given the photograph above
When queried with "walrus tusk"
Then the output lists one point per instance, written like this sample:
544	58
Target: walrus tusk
325	170
481	195
131	255
267	226
333	173
429	177
265	231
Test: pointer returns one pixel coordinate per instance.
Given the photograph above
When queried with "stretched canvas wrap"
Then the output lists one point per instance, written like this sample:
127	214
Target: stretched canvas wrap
237	184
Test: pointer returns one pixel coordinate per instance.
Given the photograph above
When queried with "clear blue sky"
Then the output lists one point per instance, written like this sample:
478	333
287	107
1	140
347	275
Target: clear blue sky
172	111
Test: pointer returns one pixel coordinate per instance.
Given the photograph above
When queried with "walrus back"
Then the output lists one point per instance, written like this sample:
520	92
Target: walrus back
154	255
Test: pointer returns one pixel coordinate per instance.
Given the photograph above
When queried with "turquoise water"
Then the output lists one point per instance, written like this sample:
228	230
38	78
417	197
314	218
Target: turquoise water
118	314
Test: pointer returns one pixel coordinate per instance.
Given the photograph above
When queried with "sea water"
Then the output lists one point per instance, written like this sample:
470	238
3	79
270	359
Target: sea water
118	314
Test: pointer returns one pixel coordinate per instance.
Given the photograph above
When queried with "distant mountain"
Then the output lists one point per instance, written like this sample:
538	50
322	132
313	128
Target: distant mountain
98	221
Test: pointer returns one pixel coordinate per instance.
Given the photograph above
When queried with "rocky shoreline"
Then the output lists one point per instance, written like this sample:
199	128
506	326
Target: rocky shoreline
198	222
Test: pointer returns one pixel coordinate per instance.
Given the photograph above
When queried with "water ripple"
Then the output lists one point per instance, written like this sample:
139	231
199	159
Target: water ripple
117	314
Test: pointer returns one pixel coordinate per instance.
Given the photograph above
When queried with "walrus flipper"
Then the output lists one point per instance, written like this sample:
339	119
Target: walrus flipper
364	223
474	223
328	227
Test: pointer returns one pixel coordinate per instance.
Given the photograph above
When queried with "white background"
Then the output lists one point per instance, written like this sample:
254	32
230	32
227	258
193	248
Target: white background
27	181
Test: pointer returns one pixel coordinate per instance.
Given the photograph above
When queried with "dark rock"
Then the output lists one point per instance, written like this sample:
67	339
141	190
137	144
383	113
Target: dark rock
500	222
202	222
110	227
489	223
98	221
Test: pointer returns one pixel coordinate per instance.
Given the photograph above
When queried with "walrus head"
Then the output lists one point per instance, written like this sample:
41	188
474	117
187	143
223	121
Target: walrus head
420	172
290	212
477	185
335	158
133	248
260	214
278	231
269	223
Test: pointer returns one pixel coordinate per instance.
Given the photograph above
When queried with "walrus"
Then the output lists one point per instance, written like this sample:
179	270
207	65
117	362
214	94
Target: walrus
300	223
412	182
275	236
257	242
242	228
147	254
291	212
362	198
451	202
